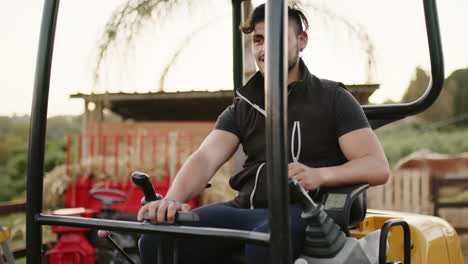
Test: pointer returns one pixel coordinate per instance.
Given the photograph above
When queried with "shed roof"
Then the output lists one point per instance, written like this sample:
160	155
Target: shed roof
192	105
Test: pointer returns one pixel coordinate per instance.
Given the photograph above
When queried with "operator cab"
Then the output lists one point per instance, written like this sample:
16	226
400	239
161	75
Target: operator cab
336	210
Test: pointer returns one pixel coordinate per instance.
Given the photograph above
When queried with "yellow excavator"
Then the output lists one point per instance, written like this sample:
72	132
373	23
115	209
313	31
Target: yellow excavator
340	227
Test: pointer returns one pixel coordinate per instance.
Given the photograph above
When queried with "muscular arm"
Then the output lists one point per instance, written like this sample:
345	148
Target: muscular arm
366	159
200	167
366	163
192	178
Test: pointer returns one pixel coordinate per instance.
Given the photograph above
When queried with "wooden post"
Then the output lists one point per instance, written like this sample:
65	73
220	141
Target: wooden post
388	190
379	197
415	204
406	190
435	190
398	197
425	190
405	181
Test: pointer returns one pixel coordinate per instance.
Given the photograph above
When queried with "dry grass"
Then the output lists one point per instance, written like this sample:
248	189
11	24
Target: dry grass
17	225
57	180
220	190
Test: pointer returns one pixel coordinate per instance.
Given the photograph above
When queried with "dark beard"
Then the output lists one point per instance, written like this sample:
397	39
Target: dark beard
293	63
290	66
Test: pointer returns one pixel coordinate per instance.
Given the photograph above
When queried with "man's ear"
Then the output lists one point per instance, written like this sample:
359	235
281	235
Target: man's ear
303	38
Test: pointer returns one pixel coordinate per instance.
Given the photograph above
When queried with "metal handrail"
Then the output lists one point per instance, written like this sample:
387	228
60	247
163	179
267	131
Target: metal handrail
38	121
392	112
174	230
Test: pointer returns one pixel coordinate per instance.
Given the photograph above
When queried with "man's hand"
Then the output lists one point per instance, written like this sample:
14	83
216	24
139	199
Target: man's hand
162	210
309	178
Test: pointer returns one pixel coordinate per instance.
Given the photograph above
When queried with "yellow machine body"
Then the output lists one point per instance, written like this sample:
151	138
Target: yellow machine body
4	234
434	241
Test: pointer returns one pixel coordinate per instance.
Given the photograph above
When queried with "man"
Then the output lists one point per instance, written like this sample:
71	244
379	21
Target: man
331	145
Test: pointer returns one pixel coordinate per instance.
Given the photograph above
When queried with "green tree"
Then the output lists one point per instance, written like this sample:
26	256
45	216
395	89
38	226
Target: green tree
417	86
16	170
5	124
14	134
59	127
442	109
459	81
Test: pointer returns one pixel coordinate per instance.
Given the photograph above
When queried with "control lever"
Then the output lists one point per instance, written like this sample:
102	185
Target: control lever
301	195
323	238
108	236
143	182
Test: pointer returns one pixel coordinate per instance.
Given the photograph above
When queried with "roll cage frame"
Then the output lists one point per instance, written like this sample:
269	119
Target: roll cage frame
276	108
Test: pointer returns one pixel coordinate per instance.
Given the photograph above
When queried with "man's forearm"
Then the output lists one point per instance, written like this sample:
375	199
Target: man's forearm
191	179
200	167
367	169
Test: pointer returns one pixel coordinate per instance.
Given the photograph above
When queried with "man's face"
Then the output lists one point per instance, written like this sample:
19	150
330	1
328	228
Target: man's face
296	42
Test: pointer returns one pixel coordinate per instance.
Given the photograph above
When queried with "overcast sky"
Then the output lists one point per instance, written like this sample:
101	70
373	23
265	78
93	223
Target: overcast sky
396	29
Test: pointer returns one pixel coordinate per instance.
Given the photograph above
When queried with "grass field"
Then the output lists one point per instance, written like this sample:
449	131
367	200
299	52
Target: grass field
401	139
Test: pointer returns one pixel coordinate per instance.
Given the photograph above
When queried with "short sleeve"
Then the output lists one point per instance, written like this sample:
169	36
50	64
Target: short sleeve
226	121
348	113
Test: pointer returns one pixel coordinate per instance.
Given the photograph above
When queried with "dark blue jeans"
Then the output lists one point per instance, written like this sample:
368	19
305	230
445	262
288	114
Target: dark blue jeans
225	215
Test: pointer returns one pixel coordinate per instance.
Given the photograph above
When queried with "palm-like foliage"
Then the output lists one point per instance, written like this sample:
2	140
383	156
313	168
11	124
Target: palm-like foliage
127	21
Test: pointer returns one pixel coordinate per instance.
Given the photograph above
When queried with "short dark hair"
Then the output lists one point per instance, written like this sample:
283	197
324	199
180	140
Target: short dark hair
258	15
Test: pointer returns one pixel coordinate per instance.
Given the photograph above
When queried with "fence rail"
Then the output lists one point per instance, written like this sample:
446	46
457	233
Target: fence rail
406	190
437	184
415	191
7	208
119	154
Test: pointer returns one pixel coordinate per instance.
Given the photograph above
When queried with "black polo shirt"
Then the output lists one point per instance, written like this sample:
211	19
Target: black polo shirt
348	114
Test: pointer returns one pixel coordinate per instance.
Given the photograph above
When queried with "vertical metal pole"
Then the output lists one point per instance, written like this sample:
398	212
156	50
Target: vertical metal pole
38	131
276	129
237	44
